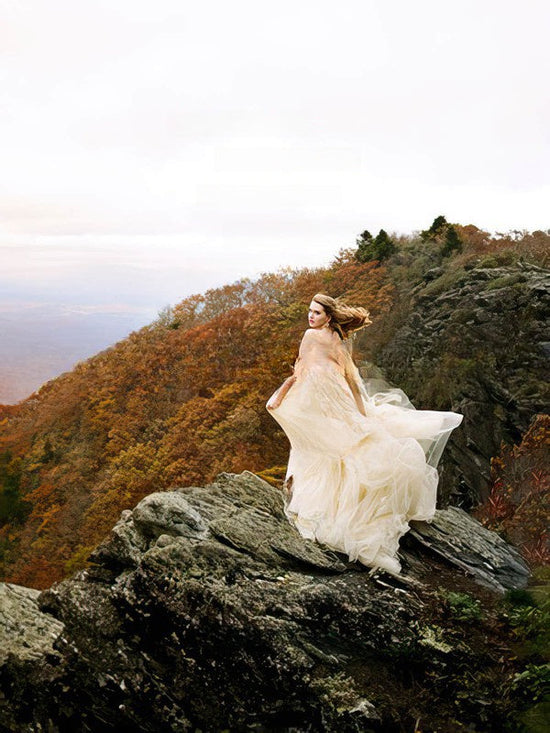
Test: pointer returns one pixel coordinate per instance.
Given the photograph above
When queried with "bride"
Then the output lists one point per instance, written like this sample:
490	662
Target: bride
362	462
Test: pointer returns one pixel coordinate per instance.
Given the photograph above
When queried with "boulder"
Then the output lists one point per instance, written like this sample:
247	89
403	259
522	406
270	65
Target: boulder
205	610
25	631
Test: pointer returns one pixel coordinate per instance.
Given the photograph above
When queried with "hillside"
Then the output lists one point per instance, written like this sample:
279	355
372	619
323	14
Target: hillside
42	340
183	399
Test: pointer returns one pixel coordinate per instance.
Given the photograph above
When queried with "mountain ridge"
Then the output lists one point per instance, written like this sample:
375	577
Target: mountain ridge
183	399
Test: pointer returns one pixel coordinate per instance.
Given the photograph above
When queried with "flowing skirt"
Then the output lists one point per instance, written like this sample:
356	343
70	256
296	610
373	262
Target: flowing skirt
354	481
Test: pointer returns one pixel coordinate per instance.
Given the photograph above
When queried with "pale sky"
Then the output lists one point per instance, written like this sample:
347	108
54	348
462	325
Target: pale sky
153	149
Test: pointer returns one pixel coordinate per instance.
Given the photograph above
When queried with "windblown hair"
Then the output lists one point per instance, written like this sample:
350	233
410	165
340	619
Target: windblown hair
344	319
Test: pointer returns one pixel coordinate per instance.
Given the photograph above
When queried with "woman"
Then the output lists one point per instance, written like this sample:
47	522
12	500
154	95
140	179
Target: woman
361	465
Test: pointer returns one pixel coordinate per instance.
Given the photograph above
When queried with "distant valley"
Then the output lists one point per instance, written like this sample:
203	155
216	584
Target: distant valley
40	341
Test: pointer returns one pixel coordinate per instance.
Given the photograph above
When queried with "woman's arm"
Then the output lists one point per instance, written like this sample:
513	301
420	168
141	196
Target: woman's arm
281	393
356	394
351	373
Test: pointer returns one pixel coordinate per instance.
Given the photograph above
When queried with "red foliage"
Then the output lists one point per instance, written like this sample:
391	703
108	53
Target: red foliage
519	501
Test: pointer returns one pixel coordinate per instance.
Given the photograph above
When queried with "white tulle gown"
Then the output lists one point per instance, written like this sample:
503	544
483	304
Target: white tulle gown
355	481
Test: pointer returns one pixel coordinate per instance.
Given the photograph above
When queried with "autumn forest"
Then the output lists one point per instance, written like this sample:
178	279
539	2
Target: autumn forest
181	400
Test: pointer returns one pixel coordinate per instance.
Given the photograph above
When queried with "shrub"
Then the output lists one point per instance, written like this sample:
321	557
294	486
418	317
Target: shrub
519	500
462	606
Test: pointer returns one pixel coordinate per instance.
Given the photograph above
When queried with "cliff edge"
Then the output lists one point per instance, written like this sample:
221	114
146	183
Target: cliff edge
205	610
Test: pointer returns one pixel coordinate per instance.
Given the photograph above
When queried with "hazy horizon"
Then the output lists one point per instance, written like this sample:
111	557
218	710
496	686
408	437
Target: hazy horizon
154	150
59	306
41	341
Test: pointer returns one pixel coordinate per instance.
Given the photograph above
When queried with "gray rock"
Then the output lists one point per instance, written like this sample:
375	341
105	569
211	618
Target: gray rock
161	514
464	542
206	610
25	631
475	346
167	514
125	545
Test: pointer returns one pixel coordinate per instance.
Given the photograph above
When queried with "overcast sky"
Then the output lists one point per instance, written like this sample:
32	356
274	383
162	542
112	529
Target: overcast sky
149	150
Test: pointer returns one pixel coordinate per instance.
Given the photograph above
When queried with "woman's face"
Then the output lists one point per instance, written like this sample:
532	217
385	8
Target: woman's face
317	316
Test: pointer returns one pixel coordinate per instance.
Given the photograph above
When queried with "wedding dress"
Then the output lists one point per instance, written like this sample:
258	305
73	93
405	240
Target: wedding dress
355	481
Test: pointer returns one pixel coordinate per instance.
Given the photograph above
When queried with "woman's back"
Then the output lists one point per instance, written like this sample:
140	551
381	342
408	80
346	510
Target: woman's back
321	347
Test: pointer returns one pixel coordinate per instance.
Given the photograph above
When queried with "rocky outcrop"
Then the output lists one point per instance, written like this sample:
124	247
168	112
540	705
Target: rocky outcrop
459	539
25	632
205	610
476	340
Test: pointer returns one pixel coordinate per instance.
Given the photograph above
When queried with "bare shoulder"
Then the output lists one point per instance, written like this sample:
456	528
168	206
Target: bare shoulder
310	334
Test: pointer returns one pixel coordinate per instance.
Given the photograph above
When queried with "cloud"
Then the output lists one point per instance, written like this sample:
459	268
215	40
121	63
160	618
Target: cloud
265	135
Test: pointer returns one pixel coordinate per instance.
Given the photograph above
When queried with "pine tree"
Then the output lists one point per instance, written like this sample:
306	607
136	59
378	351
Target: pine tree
452	242
364	252
379	248
383	245
438	226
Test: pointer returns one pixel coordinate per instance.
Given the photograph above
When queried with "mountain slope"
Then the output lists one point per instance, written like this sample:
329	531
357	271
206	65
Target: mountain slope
183	399
174	403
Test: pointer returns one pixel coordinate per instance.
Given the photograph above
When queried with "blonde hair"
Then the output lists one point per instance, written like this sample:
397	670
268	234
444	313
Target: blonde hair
344	319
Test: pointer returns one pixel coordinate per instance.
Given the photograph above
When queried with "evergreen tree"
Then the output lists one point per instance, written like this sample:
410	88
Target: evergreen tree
383	245
438	226
12	506
364	252
379	248
452	242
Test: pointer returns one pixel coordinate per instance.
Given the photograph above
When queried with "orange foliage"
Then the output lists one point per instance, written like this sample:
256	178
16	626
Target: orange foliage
366	283
533	245
173	404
